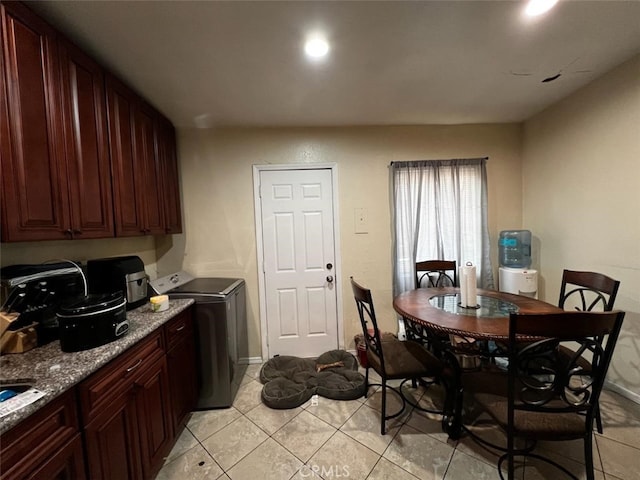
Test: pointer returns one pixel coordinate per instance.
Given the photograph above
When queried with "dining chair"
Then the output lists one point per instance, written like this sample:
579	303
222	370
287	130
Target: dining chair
433	273
391	358
540	398
587	291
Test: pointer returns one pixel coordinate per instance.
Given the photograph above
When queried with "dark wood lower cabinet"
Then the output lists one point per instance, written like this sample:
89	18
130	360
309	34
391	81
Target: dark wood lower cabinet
67	464
135	407
181	361
154	417
132	431
132	437
45	445
131	412
112	443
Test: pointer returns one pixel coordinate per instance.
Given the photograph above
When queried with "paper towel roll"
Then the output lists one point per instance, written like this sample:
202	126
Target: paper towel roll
472	290
468	287
463	286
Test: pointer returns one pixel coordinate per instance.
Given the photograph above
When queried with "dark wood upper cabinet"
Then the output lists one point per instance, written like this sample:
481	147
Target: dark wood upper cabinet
126	170
34	191
87	153
135	162
145	120
81	155
170	176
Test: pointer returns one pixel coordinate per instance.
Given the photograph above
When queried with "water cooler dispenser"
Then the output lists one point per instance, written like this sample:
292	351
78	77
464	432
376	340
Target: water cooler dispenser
514	274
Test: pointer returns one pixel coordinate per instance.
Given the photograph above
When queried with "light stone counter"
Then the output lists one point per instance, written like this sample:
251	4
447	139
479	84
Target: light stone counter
53	371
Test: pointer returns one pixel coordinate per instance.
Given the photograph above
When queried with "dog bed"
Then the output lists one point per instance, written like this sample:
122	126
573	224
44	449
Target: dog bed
291	381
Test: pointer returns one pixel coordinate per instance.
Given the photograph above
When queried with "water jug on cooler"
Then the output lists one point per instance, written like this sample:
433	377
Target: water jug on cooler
514	255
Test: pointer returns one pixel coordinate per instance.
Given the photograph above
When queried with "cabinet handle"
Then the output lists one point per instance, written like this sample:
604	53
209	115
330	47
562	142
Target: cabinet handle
69	232
77	232
130	369
179	329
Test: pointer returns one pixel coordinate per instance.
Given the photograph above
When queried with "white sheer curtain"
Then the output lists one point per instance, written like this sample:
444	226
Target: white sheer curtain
439	212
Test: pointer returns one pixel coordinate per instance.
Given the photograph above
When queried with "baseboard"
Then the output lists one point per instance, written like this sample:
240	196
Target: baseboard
259	361
634	397
250	360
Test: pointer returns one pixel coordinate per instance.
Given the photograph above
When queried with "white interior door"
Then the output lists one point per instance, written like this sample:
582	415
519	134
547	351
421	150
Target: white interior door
299	261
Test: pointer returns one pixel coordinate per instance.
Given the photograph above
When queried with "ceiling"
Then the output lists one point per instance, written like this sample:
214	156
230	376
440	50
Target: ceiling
241	63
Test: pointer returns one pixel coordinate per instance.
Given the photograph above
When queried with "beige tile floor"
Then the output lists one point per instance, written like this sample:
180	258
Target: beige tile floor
341	440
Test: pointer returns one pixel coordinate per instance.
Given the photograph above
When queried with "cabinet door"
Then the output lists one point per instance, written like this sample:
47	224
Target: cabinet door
170	176
154	417
112	442
121	107
150	179
66	464
40	438
181	360
33	177
88	170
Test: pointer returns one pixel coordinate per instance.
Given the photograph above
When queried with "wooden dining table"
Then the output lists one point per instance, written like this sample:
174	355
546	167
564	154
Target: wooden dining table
438	310
435	317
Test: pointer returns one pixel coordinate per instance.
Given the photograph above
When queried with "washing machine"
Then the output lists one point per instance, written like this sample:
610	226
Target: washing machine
220	317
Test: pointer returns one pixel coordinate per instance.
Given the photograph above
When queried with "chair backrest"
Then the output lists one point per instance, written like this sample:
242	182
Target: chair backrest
541	380
364	303
587	290
433	273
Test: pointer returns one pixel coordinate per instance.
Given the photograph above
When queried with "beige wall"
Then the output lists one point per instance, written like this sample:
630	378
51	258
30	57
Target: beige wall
80	250
220	237
571	175
581	178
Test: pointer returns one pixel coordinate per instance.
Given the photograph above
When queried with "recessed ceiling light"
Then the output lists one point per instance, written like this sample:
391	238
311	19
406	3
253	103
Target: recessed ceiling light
538	7
316	47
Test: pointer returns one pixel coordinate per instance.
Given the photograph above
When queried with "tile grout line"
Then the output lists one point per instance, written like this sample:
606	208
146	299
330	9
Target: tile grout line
405	418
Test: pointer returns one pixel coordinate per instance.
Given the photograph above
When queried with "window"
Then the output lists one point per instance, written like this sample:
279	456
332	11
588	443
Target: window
439	212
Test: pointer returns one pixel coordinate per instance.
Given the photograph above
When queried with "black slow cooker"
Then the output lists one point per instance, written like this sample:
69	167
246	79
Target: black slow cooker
92	321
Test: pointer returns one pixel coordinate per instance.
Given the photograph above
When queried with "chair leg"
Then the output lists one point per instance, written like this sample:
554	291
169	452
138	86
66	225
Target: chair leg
366	382
598	419
511	445
588	455
383	414
511	466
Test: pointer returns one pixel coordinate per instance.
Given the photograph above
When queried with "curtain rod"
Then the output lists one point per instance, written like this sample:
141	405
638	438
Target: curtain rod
440	160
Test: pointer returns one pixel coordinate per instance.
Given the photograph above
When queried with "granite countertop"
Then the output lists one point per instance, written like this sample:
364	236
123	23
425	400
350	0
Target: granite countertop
53	371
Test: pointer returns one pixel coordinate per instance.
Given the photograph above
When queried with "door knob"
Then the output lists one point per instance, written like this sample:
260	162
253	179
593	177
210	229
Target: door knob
330	278
329	266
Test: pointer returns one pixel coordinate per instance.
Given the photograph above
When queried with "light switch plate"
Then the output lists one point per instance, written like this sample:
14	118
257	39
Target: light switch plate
361	220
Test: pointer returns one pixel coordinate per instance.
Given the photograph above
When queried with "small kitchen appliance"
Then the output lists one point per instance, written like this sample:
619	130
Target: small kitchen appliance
119	274
92	321
31	294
